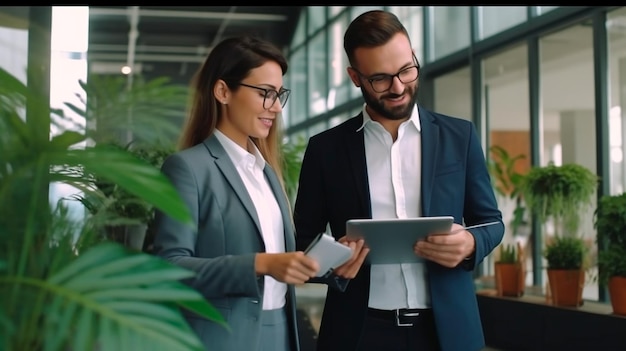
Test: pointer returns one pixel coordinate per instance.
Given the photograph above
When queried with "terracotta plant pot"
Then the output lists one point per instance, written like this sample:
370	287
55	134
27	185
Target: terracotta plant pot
617	292
566	286
510	279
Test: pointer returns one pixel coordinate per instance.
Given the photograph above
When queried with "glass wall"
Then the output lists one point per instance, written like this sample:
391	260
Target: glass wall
568	131
317	65
495	19
68	66
616	32
413	20
450	30
453	94
14	40
339	91
506	108
317	18
540	10
297	77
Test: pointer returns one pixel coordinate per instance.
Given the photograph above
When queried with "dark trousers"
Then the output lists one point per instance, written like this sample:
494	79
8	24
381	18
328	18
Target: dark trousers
383	334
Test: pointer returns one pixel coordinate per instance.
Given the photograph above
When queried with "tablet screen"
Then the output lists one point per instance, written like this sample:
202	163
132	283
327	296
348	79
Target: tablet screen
391	240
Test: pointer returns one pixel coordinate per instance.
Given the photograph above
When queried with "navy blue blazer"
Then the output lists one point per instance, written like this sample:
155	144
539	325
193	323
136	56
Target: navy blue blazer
334	188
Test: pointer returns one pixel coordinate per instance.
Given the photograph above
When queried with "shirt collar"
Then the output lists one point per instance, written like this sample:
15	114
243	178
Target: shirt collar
415	118
239	155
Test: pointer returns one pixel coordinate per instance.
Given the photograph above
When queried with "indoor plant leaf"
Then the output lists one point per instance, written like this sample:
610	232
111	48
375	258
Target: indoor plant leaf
130	173
110	286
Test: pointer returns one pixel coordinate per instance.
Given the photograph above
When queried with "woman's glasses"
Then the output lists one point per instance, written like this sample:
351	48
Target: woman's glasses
271	95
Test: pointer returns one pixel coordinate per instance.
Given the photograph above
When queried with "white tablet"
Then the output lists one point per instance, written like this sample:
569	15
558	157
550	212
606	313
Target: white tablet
391	240
328	252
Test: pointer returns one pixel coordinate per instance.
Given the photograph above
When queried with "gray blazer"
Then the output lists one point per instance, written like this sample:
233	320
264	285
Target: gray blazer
223	248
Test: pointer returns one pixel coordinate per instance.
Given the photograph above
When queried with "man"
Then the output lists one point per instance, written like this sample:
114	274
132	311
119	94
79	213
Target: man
398	160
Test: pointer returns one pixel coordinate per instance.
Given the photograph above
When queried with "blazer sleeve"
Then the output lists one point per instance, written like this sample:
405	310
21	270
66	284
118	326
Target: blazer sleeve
219	273
481	205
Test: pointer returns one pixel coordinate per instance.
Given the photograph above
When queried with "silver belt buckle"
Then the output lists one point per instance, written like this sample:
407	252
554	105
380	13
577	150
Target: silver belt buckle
398	315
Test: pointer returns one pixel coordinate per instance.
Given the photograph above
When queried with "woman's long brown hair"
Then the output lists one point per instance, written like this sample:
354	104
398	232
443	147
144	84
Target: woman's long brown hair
232	60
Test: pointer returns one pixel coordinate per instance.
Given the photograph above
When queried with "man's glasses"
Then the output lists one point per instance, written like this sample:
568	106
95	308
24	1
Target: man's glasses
382	82
271	95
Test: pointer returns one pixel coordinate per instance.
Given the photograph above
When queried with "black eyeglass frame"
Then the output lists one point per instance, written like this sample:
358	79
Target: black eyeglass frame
371	79
267	91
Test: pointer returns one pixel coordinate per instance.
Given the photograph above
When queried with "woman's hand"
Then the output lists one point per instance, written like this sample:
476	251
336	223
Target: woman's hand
289	267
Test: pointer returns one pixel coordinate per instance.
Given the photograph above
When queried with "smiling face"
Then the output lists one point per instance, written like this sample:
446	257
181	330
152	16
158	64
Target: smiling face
390	58
243	115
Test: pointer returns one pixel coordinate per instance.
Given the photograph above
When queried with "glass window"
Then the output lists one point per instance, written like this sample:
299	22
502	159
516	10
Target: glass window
317	17
68	66
506	110
334	10
495	19
450	30
452	94
617	99
357	10
568	132
338	119
339	81
317	128
412	18
297	83
299	34
14	44
544	9
317	73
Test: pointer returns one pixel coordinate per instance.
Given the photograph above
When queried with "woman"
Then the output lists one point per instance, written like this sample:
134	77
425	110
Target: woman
229	174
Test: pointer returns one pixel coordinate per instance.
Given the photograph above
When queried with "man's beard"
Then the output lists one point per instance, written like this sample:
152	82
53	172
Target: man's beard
395	113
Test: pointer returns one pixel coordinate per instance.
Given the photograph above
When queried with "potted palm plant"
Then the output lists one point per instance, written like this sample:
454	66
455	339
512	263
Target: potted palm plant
123	216
60	288
560	194
610	222
509	270
509	267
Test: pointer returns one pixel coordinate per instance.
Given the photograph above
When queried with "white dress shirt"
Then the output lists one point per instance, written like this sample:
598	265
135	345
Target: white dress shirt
250	168
394	173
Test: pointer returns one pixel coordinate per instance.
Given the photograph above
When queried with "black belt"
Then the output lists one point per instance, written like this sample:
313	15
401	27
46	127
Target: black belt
402	317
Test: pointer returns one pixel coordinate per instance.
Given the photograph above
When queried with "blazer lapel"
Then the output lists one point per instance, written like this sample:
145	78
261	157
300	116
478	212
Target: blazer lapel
430	142
226	166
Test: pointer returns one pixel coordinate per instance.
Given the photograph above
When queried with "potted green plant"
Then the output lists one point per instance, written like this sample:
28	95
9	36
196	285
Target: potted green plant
61	289
124	216
509	267
508	182
509	270
148	111
560	193
610	222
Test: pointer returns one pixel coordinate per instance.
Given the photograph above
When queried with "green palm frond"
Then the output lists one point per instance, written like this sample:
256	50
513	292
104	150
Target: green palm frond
117	298
62	287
